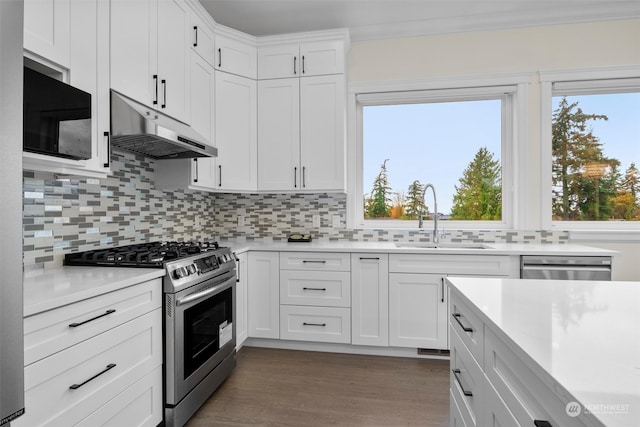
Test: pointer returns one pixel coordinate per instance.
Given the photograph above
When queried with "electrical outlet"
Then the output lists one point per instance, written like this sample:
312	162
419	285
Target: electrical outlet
240	221
316	221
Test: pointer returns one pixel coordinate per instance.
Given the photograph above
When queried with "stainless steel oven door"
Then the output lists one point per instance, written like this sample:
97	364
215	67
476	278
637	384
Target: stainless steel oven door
200	333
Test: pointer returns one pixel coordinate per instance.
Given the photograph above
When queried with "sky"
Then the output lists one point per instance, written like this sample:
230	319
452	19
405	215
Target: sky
444	137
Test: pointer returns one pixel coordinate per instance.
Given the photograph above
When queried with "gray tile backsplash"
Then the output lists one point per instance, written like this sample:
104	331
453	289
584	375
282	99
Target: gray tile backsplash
65	214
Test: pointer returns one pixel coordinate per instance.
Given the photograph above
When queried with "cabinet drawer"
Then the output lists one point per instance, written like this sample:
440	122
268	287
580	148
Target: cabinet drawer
139	405
469	327
324	288
483	265
455	414
322	261
523	392
51	331
134	349
322	324
495	412
466	382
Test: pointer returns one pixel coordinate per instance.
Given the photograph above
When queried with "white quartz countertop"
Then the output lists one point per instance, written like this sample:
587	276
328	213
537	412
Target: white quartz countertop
401	247
585	335
51	288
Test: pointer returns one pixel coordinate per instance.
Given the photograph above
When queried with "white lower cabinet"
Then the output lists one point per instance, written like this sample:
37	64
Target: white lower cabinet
417	311
310	323
370	299
263	295
68	386
241	299
501	389
315	297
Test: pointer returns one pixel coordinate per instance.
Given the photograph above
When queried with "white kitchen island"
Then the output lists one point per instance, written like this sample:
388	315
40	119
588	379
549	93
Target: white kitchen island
564	352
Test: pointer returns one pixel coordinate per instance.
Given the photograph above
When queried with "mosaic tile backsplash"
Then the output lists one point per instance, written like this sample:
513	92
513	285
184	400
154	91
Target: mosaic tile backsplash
70	214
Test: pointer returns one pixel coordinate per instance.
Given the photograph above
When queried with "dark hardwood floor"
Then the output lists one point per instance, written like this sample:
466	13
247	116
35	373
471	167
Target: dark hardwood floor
273	387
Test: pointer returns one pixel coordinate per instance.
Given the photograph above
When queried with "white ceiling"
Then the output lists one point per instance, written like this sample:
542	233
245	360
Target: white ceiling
373	19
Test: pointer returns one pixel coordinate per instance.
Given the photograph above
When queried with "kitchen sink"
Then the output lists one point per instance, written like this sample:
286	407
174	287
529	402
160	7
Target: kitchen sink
428	245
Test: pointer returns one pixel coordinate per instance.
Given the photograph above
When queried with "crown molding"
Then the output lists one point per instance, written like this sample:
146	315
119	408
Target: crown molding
569	15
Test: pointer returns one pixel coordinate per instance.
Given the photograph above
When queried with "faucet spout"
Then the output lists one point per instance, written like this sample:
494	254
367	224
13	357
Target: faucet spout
435	211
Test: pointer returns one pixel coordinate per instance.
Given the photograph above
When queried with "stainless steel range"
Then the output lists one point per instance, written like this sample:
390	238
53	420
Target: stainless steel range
199	315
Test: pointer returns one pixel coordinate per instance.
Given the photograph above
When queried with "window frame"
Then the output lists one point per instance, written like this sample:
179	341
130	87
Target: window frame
578	82
511	89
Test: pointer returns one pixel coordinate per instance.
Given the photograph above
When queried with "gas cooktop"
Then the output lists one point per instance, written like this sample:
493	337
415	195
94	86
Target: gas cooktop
150	255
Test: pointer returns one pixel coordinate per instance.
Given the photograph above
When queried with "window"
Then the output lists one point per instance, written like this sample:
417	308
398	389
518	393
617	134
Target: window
594	152
458	140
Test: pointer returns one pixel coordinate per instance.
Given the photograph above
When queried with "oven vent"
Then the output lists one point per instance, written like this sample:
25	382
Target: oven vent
169	306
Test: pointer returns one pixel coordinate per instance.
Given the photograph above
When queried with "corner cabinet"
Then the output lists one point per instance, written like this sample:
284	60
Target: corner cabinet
301	134
301	59
150	53
263	295
236	133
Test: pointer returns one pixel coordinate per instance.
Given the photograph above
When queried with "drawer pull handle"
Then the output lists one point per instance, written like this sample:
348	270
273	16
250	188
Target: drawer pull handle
464	328
369	258
313	324
542	423
456	373
109	367
316	261
106	313
314	289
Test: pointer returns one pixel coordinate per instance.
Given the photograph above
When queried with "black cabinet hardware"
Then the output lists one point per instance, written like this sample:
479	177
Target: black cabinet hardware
219	57
542	423
314	261
195	29
220	176
195	161
302	64
164	87
155	101
108	160
464	328
442	288
314	289
294	65
456	373
77	386
295	177
313	324
362	258
106	313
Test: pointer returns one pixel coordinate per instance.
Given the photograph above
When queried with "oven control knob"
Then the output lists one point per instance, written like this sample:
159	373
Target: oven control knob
191	269
179	273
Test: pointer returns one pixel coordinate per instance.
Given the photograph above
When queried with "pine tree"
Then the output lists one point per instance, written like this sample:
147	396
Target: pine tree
578	164
479	196
380	201
414	205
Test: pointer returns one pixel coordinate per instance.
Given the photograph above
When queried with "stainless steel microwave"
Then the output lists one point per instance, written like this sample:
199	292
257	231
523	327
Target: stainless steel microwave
56	117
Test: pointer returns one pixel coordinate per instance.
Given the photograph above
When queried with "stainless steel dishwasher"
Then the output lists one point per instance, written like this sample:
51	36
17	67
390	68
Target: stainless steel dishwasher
565	267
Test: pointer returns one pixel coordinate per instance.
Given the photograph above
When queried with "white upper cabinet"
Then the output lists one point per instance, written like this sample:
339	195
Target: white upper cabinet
301	134
89	49
279	134
46	29
300	60
280	61
322	132
202	38
149	54
235	57
236	132
86	25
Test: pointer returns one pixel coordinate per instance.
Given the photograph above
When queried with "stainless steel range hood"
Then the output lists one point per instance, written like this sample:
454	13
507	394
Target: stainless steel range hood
137	128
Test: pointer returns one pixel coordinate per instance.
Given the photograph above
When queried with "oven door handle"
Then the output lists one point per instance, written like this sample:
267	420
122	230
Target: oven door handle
200	295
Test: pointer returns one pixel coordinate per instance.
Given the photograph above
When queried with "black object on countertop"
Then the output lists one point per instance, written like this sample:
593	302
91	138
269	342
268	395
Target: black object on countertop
299	237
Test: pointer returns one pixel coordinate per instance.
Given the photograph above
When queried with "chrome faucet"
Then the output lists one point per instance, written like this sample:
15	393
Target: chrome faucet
436	239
